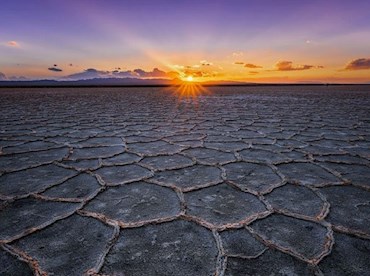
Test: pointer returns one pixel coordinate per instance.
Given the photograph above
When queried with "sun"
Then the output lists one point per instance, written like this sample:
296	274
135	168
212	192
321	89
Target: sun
189	78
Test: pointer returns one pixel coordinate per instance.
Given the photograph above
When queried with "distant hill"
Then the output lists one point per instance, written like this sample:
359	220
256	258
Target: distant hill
89	82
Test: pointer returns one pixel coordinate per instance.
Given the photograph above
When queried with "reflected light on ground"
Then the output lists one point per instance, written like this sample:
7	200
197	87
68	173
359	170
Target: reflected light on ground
188	93
190	89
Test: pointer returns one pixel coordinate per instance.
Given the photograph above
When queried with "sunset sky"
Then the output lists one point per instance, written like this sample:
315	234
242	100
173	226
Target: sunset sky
250	40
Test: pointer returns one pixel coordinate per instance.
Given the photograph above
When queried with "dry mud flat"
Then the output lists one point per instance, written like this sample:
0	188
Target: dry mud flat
142	181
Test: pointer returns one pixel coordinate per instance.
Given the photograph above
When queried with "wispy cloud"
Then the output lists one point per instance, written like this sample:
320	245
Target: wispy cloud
55	69
3	76
205	63
250	65
247	65
288	66
237	54
93	73
156	73
13	43
358	64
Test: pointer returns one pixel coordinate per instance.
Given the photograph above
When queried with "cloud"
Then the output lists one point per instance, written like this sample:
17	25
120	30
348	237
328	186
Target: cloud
239	62
288	66
92	73
156	73
18	78
358	64
205	63
55	69
250	65
13	43
238	54
253	72
2	76
124	74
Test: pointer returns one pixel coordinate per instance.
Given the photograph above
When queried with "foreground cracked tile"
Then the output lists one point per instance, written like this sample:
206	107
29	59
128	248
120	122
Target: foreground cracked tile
172	248
136	202
307	174
167	162
253	177
30	159
302	238
68	247
79	187
349	207
226	146
357	174
222	205
116	175
28	214
263	156
210	156
31	146
121	159
10	265
349	256
88	164
100	141
190	177
272	262
96	152
240	242
154	148
33	180
296	199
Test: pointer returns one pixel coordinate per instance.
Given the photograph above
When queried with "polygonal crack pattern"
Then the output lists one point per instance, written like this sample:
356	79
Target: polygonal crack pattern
25	215
172	248
116	175
223	205
307	174
110	181
350	208
136	202
68	247
350	256
240	243
189	178
10	265
296	199
272	262
304	239
33	180
252	177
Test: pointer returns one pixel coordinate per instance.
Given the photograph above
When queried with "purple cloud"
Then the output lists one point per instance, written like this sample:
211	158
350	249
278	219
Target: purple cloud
55	69
2	76
358	64
156	73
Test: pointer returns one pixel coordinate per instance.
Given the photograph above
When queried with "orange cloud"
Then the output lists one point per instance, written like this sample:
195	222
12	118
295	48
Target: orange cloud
239	62
250	65
288	66
13	43
358	64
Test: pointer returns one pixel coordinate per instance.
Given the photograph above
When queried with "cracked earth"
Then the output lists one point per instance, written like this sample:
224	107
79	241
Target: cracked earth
141	181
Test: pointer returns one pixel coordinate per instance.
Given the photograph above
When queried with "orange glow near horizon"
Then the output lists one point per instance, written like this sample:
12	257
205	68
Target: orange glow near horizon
189	90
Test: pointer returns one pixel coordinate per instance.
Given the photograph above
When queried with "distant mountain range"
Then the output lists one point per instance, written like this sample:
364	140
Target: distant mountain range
125	82
89	82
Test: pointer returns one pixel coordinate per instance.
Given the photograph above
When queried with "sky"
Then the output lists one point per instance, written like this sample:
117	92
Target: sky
266	41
